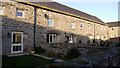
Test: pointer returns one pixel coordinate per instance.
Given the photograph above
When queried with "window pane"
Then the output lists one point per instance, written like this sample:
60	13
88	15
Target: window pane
50	23
54	38
1	11
19	14
72	25
17	38
50	38
16	48
19	48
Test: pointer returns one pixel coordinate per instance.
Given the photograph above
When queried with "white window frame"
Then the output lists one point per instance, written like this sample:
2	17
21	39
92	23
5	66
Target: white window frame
102	37
22	11
19	44
72	25
81	25
54	40
1	10
52	23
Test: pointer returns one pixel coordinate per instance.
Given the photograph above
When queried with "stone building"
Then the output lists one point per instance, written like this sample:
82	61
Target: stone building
114	30
25	24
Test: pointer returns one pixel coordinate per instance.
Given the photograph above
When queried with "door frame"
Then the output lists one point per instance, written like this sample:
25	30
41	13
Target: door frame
21	44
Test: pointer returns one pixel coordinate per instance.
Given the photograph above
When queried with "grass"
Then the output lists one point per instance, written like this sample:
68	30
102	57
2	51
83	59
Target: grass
24	61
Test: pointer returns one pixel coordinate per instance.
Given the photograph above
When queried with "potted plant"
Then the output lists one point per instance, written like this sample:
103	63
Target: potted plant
32	51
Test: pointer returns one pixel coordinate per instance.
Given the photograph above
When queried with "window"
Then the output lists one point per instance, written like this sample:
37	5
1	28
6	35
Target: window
52	38
50	22
20	13
72	25
1	10
72	39
17	38
81	25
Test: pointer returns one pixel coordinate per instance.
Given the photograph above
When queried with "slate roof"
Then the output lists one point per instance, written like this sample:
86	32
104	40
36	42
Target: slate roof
63	8
113	24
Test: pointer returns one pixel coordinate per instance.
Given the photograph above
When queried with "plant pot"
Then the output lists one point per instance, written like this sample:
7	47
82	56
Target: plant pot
32	52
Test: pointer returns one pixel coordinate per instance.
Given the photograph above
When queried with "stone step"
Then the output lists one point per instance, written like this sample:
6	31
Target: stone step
20	54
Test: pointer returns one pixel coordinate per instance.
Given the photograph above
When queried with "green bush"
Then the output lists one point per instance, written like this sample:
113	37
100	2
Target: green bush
39	50
50	53
80	41
59	55
72	53
102	43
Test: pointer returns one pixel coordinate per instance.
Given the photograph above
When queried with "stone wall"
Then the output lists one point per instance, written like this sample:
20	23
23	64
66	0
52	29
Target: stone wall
11	23
61	25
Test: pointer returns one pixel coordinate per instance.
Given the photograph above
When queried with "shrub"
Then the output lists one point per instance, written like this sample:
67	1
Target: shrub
80	41
39	50
88	41
50	53
93	40
102	43
59	55
72	53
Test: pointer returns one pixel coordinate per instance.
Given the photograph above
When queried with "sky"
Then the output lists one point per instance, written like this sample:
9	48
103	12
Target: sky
104	10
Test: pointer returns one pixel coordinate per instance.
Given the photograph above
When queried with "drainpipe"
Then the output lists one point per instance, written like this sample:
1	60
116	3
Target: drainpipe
94	32
35	20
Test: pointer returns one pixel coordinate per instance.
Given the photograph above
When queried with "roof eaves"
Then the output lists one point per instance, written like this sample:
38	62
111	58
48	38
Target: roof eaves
43	7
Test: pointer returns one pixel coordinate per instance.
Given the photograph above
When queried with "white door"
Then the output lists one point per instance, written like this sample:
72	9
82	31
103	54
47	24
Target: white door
71	39
17	42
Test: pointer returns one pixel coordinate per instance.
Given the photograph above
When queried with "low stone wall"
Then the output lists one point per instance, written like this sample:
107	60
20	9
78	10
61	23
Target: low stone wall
63	48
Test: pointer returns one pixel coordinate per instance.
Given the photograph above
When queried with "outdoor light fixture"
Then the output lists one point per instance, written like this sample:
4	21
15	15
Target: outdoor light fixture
8	35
